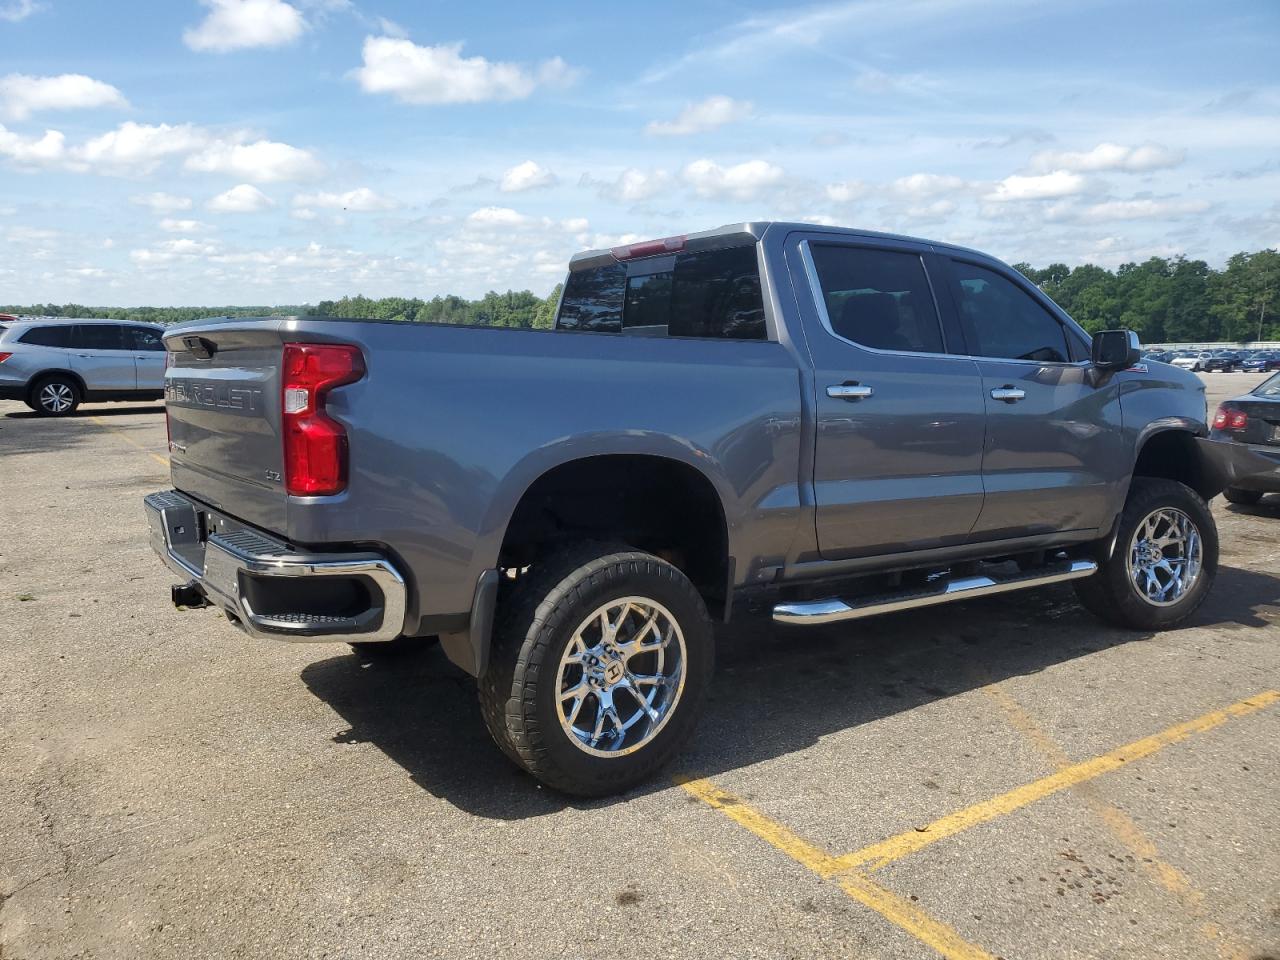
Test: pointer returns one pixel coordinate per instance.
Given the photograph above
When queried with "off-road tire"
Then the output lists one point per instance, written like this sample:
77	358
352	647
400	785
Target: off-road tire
1110	594
65	385
535	624
1244	497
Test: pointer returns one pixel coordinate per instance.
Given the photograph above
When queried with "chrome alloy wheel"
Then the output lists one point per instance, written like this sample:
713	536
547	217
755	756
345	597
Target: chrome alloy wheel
1165	556
56	397
621	677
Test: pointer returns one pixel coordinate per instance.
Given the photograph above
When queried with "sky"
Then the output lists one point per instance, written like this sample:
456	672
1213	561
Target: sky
220	152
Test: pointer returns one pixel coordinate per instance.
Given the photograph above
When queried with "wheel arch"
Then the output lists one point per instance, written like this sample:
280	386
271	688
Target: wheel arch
44	375
652	500
1170	451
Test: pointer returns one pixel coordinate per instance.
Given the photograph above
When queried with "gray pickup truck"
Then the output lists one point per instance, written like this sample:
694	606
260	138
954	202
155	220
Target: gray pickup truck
823	423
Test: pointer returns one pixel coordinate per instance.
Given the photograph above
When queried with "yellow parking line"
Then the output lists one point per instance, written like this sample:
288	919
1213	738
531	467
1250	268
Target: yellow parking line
889	905
895	848
163	461
1121	825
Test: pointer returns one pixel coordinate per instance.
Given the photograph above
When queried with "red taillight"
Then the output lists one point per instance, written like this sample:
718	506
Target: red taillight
5	356
649	248
1229	419
315	445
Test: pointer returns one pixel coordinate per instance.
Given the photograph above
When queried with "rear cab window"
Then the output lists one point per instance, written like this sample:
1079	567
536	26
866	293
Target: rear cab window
707	294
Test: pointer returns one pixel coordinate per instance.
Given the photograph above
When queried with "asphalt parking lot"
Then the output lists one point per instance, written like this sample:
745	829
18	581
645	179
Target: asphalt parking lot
1000	778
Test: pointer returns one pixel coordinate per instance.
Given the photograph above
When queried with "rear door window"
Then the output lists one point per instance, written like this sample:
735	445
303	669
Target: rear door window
1002	320
51	336
878	298
99	336
711	294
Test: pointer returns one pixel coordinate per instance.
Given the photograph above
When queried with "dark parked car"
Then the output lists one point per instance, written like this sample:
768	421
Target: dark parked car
824	424
1264	361
1158	356
1254	420
1223	361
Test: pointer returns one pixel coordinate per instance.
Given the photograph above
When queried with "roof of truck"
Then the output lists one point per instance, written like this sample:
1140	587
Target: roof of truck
745	232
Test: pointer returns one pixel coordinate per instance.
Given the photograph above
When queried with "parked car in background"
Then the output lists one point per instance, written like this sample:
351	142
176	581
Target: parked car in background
1194	360
54	365
1158	356
1223	361
1254	420
1262	361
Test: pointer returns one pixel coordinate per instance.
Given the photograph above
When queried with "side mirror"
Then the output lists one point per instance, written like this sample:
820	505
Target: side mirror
1116	349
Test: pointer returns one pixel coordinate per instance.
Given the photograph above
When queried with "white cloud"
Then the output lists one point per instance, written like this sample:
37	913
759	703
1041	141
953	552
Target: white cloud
136	148
576	224
48	150
360	200
699	117
162	202
1142	209
631	186
1109	156
169	225
239	24
244	198
1059	183
936	210
845	191
918	186
526	176
744	181
497	217
170	250
15	10
433	75
21	95
264	161
303	213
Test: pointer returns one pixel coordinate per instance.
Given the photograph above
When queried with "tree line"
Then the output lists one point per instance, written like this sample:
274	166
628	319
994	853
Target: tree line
1172	300
1164	300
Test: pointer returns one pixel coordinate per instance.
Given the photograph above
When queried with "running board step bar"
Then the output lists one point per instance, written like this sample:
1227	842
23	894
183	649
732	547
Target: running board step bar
834	610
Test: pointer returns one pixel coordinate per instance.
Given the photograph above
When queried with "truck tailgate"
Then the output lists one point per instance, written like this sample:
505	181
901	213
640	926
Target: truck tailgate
222	397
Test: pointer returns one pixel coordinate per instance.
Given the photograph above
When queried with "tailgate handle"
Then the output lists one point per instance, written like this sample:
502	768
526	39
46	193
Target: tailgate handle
200	347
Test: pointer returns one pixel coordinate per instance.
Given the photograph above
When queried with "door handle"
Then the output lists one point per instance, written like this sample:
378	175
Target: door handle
1008	393
849	391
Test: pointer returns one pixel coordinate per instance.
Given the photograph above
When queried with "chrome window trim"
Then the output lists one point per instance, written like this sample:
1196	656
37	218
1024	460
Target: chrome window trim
820	305
820	300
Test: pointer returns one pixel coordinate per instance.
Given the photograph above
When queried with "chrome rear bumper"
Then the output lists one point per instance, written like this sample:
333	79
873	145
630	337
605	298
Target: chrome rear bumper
263	585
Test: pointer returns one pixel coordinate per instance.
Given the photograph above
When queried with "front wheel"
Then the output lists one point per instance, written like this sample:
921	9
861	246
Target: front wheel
601	661
1164	560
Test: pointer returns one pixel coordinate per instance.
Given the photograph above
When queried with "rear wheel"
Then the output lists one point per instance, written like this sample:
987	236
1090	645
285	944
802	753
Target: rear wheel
54	396
1164	560
1245	497
601	661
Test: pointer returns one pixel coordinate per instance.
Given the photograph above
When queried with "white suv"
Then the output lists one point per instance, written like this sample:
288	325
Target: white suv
53	365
